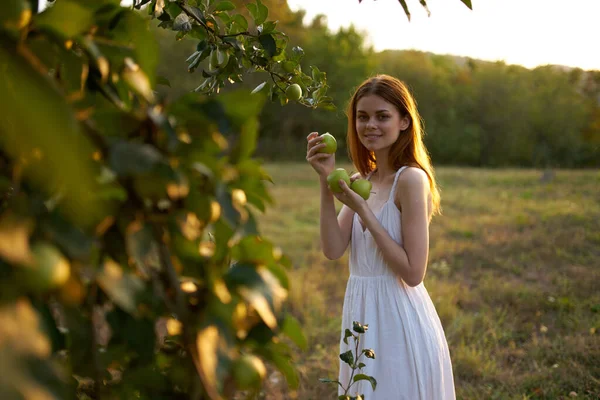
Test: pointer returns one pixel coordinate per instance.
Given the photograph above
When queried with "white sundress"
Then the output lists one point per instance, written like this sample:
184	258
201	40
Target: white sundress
412	357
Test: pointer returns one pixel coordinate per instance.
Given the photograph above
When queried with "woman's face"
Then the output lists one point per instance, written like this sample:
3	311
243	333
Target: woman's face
378	123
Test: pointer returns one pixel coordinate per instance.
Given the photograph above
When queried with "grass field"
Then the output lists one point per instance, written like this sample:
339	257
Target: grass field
514	273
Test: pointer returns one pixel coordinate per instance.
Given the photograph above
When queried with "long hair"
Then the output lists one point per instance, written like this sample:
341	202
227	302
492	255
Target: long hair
409	149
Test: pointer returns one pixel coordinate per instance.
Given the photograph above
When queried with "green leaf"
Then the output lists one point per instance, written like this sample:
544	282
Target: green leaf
259	288
347	334
327	380
259	88
54	133
225	6
267	27
359	328
212	345
242	110
369	353
361	365
297	53
25	351
137	334
195	62
268	43
253	249
66	18
122	288
14	238
239	106
128	159
80	340
49	327
278	271
15	15
198	32
142	247
468	3
239	24
76	244
161	80
72	72
224	17
363	377
405	7
284	364
262	13
133	31
229	214
253	9
347	357
196	12
292	329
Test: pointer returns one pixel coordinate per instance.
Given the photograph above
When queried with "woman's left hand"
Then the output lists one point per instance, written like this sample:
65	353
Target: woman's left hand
350	198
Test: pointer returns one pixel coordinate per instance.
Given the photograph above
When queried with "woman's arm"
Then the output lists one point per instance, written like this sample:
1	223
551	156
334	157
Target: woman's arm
409	261
335	229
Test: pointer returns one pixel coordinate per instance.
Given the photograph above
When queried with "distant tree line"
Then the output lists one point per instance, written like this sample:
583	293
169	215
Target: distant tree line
476	113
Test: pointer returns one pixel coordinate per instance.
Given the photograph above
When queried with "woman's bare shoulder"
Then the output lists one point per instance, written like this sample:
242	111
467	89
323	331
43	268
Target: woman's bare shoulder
413	177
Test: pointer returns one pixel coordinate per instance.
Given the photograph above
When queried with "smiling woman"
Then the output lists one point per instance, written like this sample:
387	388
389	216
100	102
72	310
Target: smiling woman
388	234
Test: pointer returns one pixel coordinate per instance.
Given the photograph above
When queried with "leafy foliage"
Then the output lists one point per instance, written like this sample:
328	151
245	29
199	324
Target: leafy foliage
229	46
132	264
353	361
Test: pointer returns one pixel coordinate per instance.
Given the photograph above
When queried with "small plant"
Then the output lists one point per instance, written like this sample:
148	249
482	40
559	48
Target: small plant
353	360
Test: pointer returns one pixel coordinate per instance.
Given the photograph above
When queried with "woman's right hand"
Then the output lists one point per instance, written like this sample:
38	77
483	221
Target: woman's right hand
323	163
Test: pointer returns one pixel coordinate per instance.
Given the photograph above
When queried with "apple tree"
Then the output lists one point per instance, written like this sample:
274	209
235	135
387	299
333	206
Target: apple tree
132	265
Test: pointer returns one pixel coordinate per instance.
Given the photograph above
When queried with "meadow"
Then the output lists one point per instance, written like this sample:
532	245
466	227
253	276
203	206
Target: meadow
514	273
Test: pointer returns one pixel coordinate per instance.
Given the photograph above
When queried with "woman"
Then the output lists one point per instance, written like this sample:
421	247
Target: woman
389	236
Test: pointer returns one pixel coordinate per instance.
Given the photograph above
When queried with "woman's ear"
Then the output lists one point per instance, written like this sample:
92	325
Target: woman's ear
404	123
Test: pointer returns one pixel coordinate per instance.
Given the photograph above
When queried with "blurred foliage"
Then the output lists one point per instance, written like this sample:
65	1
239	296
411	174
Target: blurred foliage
132	265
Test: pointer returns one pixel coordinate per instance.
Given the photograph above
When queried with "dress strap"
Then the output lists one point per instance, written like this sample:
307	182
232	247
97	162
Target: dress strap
393	191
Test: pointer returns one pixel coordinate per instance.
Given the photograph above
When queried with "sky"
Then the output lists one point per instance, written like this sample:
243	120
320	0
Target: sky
525	32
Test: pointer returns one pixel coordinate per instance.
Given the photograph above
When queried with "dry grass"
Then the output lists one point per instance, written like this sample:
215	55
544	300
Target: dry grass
514	273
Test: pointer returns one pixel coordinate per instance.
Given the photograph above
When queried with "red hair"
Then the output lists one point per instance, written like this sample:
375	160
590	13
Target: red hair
409	149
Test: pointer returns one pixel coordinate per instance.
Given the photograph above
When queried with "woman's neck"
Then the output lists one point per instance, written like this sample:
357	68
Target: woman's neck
382	173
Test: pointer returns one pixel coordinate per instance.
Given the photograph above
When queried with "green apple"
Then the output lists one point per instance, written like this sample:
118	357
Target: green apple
150	187
49	269
330	143
218	58
248	372
15	15
333	180
362	187
294	92
289	66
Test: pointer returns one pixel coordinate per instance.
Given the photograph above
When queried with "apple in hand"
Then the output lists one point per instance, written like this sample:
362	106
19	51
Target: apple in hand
333	180
362	187
330	143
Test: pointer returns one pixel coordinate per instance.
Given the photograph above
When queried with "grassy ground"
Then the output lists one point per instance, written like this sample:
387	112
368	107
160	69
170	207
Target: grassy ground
514	273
